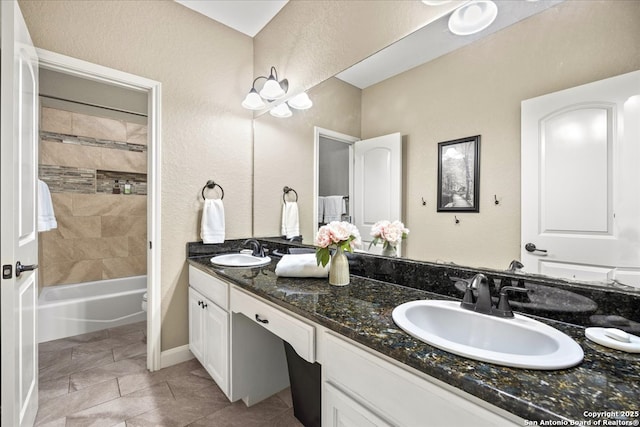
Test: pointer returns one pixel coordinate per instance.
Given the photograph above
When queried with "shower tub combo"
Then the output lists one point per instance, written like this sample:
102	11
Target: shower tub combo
68	310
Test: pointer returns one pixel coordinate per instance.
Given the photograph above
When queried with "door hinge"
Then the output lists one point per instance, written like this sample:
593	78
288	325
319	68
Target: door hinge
7	271
150	245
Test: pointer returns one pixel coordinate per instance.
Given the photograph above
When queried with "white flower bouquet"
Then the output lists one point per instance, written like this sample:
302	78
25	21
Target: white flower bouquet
389	233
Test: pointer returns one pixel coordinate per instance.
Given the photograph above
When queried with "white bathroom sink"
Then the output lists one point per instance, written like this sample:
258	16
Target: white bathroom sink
240	260
519	342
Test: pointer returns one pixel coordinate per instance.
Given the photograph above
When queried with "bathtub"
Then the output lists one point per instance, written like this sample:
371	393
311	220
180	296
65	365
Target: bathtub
68	310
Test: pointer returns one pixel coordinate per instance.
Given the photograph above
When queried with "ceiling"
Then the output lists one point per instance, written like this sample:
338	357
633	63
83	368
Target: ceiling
246	16
430	42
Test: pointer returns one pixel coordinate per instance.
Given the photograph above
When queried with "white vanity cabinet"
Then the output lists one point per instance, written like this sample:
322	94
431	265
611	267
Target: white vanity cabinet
209	325
361	388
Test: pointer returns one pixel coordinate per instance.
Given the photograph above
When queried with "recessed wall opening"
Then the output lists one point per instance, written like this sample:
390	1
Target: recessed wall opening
93	156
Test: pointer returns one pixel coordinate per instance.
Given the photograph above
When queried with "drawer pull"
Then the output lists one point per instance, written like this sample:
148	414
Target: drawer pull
261	320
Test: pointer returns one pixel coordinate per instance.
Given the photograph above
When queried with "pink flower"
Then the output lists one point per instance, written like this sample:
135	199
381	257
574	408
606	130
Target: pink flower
391	233
323	238
337	233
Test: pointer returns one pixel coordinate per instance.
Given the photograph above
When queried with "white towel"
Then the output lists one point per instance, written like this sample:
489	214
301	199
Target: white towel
333	208
301	265
290	222
212	230
46	217
321	210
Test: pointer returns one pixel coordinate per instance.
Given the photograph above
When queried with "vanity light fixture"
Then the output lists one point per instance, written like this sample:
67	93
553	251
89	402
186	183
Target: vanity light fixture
472	17
271	90
281	111
300	102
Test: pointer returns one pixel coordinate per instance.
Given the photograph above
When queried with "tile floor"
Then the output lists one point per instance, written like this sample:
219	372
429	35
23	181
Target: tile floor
100	379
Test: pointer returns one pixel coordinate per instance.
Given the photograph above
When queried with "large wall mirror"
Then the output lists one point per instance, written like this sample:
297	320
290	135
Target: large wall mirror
476	89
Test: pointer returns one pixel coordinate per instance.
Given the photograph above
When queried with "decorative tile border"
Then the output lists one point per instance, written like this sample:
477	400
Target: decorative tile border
64	179
93	142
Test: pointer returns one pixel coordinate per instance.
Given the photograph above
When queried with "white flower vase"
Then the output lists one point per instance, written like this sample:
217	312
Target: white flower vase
339	269
388	250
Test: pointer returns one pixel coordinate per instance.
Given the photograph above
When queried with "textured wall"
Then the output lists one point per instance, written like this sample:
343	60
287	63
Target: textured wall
283	153
204	68
310	41
478	90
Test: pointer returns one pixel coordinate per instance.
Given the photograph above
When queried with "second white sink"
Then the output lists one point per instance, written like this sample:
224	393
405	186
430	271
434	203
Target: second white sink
240	260
519	342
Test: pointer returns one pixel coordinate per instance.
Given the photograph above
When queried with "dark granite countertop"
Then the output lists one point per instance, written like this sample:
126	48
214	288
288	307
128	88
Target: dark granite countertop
607	380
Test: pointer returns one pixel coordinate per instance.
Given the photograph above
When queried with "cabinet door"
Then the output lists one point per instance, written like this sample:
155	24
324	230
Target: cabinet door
196	324
216	344
342	411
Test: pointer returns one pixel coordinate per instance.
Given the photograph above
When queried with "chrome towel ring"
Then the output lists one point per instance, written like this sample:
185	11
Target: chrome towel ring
212	184
286	191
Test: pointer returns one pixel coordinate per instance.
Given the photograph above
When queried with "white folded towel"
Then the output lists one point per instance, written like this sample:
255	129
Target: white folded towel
301	265
212	230
333	208
46	217
321	210
290	222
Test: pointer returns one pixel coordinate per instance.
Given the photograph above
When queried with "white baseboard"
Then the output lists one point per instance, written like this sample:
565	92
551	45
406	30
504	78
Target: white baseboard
175	355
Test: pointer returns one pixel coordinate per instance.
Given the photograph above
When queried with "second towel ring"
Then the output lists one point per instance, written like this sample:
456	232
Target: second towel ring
286	191
211	184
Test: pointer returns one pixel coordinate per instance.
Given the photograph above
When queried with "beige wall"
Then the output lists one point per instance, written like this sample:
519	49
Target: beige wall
478	90
310	41
204	68
283	153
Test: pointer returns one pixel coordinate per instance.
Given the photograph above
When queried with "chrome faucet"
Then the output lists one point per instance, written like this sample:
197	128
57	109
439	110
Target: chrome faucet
515	266
483	303
258	249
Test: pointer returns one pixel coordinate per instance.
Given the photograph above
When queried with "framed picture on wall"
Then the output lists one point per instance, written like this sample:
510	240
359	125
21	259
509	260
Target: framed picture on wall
459	175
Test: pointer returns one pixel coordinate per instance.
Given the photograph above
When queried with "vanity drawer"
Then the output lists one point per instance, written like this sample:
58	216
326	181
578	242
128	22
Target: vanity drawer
299	334
209	286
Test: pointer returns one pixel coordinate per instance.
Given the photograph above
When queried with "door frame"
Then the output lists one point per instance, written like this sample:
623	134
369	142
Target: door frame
83	69
319	132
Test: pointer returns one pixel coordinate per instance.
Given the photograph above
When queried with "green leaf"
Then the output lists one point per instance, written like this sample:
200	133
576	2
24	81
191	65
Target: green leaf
323	256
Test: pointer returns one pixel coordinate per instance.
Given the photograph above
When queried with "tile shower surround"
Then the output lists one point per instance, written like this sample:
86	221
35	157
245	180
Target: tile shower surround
99	235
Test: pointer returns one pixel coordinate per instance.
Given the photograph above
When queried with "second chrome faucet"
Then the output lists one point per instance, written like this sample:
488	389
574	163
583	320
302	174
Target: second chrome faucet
483	302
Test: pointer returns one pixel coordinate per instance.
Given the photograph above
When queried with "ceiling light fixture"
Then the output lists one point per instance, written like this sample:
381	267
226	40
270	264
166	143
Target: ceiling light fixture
271	90
473	17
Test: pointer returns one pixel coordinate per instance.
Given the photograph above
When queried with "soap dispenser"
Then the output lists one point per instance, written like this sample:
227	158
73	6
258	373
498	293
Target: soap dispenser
116	187
127	187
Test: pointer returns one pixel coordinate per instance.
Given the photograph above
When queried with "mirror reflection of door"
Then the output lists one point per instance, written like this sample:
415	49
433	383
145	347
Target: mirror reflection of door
377	185
358	181
580	172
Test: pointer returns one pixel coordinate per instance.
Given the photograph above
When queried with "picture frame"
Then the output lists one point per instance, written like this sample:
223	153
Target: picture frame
459	175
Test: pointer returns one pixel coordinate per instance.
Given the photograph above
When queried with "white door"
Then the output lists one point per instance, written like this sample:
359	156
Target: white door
581	181
378	184
18	160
